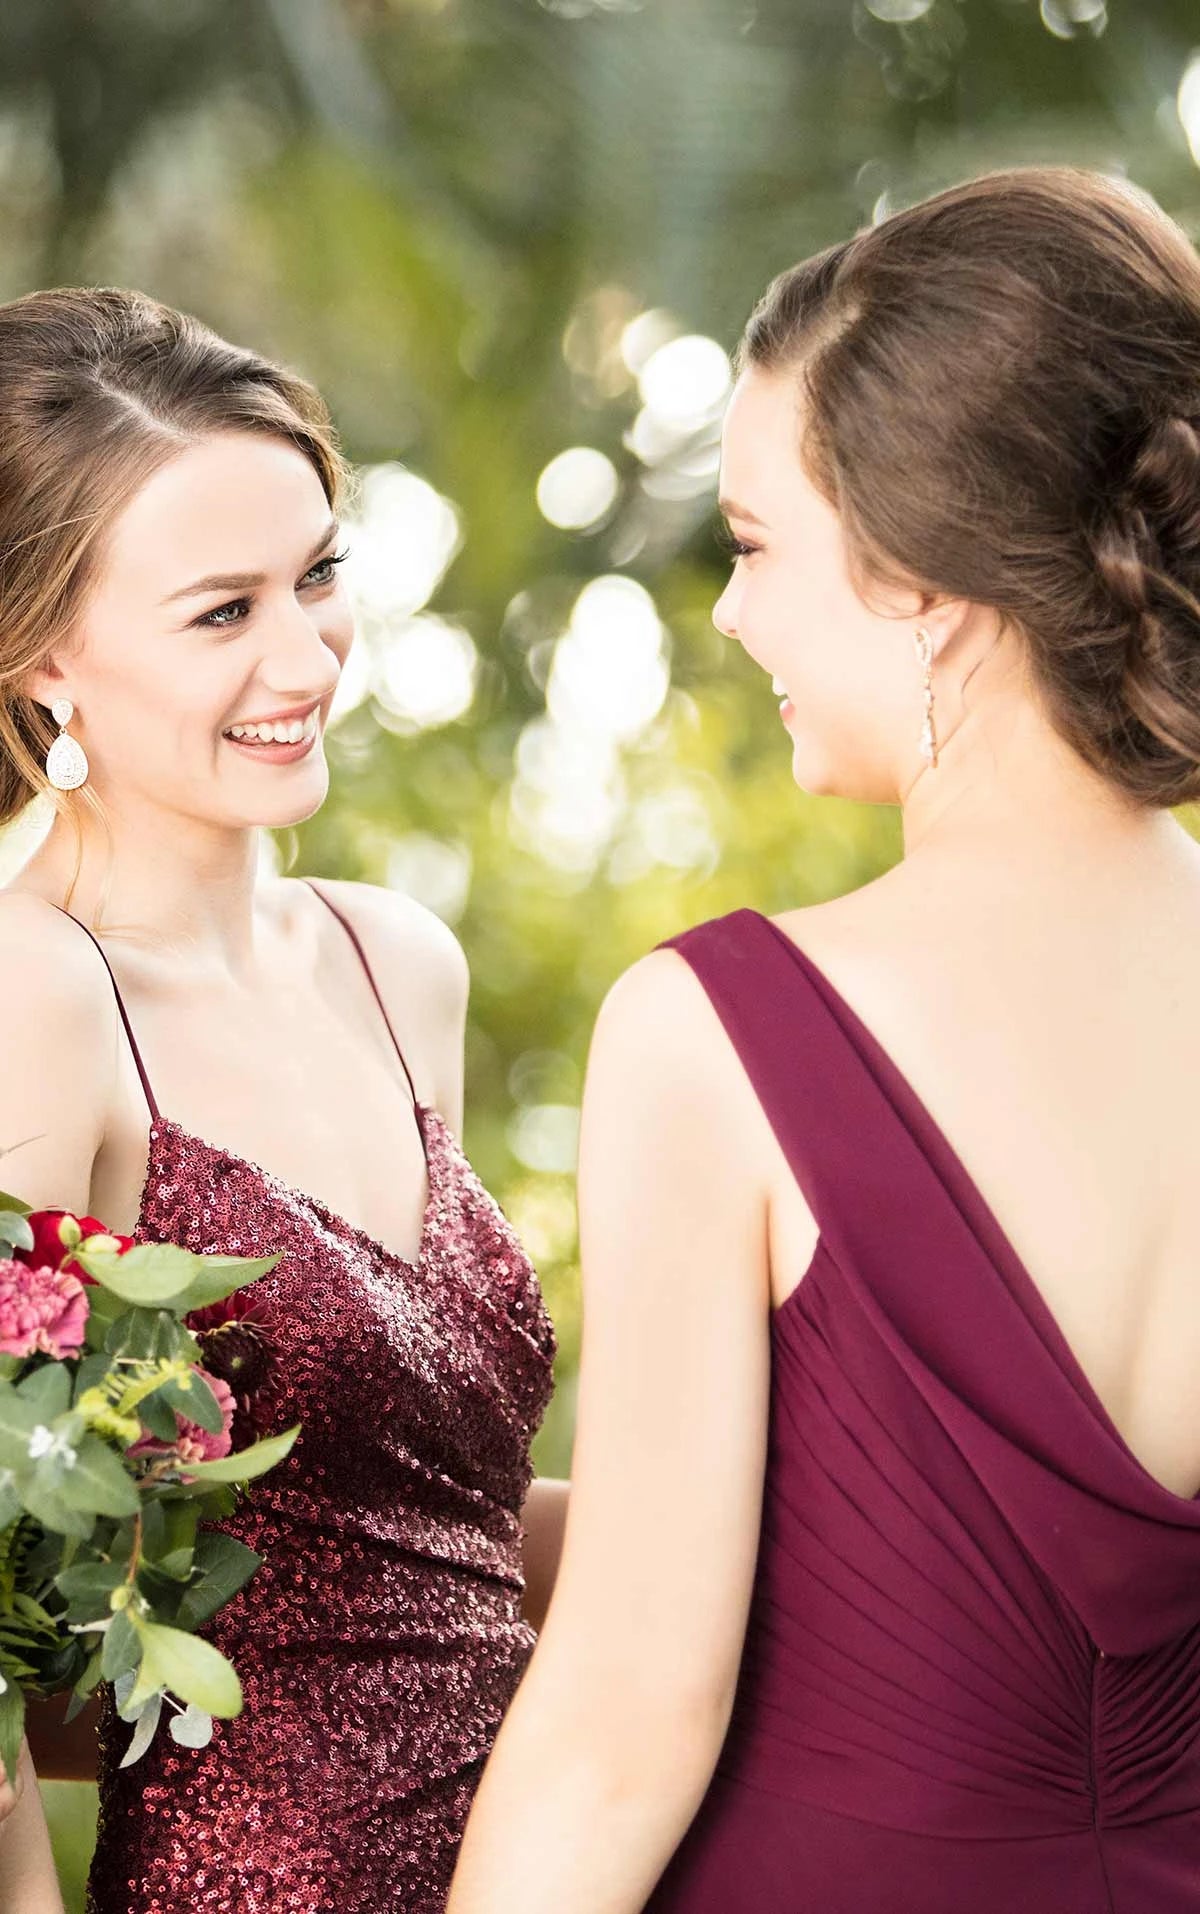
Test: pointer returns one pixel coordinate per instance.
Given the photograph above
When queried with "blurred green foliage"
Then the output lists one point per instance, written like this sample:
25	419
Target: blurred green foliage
446	212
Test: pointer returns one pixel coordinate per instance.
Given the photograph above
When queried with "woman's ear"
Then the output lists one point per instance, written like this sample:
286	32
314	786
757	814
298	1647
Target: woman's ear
45	683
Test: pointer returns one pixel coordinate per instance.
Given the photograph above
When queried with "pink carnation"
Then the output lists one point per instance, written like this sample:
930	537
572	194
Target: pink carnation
192	1443
40	1309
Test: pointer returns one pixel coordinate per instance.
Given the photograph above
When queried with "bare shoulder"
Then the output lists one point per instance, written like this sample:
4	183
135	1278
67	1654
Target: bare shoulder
60	1049
398	931
660	1050
47	959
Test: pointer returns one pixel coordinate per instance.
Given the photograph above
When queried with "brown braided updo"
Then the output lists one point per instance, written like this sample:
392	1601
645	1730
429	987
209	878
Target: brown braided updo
1002	400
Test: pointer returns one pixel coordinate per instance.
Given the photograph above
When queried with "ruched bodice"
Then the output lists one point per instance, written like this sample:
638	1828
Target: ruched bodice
971	1676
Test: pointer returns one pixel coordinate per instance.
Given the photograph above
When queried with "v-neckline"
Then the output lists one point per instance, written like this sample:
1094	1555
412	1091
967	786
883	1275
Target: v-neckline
966	1193
333	1219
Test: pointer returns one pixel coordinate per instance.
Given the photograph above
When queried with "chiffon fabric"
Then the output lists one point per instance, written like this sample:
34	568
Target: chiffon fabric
971	1677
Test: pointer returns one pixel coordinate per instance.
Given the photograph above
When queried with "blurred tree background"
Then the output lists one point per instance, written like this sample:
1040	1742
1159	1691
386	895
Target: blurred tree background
514	242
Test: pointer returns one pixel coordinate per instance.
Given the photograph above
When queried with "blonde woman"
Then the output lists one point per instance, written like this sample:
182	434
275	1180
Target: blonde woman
233	1061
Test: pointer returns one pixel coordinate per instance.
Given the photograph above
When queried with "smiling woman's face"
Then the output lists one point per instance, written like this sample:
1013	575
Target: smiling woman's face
850	674
217	604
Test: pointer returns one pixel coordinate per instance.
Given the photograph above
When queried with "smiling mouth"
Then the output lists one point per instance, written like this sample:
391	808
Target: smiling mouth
276	731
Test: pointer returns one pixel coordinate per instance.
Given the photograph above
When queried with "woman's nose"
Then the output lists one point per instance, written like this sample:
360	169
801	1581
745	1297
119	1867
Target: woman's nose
723	612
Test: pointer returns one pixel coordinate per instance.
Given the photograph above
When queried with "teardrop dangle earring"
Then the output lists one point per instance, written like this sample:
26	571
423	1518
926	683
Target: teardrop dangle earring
928	742
66	760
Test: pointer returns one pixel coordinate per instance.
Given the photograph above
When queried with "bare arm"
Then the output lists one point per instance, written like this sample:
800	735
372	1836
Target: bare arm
544	1518
615	1730
61	1047
28	1883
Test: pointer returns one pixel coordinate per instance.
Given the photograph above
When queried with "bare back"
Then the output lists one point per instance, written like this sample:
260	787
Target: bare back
1058	1057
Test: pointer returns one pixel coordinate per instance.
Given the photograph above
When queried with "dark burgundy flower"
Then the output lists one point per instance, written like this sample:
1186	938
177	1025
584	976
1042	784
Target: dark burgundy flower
239	1343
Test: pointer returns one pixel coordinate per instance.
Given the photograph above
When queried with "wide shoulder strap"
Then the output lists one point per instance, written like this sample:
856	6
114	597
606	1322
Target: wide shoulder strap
843	1138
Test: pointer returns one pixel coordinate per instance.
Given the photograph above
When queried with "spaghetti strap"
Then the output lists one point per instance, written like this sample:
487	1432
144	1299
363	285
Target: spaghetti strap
352	934
133	1044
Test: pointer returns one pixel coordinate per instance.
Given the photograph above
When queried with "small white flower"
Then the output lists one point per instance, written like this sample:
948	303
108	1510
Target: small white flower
43	1442
3	1686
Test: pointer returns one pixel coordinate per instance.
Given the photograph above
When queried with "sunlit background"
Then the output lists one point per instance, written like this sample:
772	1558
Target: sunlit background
514	244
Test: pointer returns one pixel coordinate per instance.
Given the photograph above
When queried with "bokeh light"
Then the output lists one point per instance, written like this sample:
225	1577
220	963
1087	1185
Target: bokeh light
577	489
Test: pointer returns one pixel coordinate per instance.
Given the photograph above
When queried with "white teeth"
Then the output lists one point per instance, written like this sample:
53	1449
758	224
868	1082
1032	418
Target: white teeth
279	731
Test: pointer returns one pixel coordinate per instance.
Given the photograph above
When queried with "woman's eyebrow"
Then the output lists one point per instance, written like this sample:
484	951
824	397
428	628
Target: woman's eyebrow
247	581
729	508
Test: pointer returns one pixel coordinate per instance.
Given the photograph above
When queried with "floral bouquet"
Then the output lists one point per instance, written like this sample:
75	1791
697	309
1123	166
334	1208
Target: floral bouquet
116	1443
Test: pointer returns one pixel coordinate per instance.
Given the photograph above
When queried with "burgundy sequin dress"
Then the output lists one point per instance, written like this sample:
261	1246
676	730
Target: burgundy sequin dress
381	1641
971	1676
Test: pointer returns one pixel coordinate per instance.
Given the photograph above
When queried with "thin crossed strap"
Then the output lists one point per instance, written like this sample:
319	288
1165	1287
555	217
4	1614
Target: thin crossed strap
352	934
155	1114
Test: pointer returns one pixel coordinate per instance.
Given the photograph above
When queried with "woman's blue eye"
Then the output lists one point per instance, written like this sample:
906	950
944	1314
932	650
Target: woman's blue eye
226	615
238	609
326	568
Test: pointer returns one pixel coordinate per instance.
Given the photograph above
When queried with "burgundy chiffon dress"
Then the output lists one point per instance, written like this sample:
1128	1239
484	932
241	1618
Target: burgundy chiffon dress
971	1678
381	1641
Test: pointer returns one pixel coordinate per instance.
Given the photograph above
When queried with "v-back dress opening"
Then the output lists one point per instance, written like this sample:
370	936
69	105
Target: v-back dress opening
971	1675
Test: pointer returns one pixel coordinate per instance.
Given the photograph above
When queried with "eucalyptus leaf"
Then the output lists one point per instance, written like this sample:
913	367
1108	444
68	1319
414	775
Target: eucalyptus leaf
90	1373
47	1390
98	1481
42	1496
158	1417
90	1583
12	1725
247	1463
191	1668
193	1728
150	1275
9	1202
122	1647
18	1420
223	1566
144	1732
191	1397
15	1232
10	1501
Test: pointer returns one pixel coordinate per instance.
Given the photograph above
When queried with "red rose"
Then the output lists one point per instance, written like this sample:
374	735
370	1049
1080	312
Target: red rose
50	1252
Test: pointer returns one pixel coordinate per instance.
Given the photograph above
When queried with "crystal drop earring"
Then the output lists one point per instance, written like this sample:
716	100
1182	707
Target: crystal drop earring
66	760
928	741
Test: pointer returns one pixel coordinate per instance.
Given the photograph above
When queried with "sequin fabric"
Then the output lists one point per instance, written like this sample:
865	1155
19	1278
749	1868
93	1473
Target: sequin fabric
381	1641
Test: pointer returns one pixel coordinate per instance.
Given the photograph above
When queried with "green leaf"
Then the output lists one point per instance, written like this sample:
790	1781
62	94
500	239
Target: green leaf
151	1335
222	1275
149	1275
163	1276
192	1397
18	1420
91	1676
122	1647
90	1373
191	1668
248	1463
15	1232
158	1417
43	1497
99	1482
47	1390
12	1726
88	1585
224	1566
104	1309
10	1202
169	1531
10	1501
